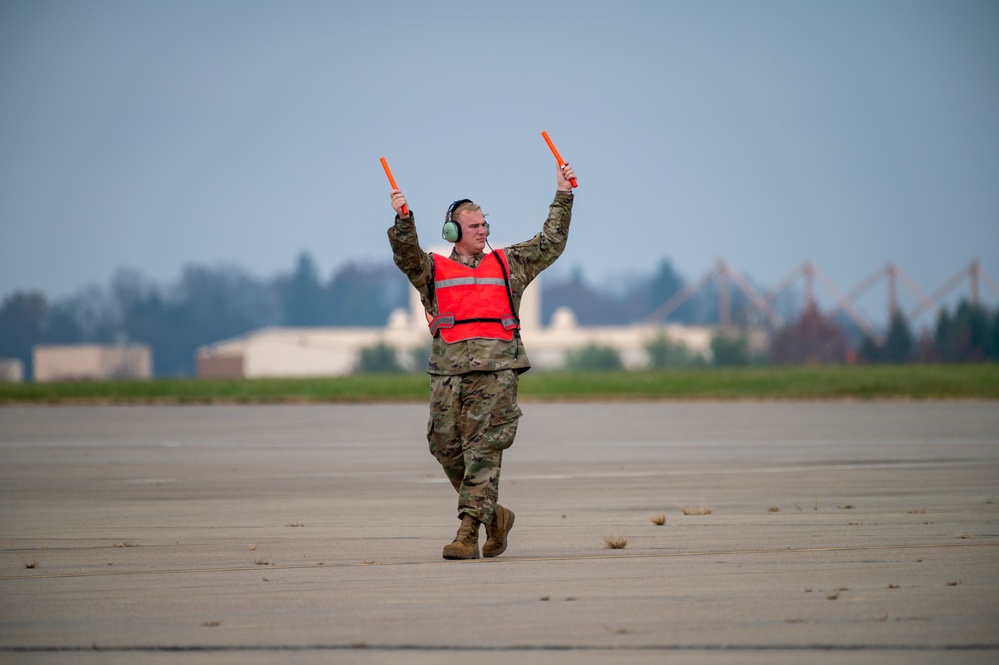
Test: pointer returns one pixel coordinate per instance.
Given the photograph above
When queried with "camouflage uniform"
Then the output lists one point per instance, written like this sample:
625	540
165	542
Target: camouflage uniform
473	383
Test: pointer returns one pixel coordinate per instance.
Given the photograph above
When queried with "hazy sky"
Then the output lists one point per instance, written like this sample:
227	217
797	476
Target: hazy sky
157	134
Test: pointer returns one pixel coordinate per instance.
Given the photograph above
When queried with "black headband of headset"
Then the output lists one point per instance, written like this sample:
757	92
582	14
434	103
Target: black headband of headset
451	209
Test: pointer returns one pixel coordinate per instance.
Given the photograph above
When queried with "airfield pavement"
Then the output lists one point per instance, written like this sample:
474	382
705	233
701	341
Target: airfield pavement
838	532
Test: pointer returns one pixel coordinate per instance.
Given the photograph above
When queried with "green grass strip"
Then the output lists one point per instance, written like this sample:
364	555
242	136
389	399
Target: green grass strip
785	383
978	381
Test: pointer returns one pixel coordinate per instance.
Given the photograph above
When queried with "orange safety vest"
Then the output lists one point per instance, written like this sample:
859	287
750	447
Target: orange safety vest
473	302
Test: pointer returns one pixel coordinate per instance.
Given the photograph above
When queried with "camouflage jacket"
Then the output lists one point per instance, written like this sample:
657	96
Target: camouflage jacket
527	260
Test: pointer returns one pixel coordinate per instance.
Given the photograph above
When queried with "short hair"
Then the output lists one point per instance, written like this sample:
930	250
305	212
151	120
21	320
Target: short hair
462	207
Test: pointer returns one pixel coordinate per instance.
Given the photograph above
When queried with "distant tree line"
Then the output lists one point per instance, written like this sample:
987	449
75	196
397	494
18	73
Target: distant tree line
205	305
211	304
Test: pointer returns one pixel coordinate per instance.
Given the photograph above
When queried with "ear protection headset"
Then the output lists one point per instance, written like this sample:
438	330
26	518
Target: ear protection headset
452	229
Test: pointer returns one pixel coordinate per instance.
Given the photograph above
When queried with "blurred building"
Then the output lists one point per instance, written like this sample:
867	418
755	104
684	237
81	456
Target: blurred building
299	352
11	370
92	361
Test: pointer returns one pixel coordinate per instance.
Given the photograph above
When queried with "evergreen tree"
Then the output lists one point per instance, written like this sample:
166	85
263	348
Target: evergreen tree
730	351
22	320
302	301
662	286
365	295
898	344
964	336
992	340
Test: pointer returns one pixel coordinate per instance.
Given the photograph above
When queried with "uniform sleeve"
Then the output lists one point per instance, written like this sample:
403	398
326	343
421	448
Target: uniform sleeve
528	259
416	264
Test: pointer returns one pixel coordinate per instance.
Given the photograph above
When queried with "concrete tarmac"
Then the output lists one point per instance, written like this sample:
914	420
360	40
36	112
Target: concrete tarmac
848	532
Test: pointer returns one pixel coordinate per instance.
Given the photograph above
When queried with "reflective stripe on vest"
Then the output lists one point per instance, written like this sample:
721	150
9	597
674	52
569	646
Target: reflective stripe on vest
472	303
463	281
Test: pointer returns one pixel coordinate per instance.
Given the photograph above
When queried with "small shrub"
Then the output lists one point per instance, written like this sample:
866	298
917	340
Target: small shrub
664	352
593	357
378	359
616	542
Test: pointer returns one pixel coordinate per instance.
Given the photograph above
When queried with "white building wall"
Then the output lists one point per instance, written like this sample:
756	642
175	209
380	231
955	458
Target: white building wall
274	352
11	370
92	361
297	352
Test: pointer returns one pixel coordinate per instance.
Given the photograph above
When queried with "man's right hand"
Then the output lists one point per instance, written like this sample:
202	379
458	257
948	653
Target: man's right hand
399	203
564	176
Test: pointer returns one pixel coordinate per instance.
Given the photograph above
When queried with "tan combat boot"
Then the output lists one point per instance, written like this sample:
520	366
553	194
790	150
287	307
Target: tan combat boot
466	542
497	531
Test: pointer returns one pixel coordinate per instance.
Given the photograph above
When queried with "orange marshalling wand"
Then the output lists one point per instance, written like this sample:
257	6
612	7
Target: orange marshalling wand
388	173
558	157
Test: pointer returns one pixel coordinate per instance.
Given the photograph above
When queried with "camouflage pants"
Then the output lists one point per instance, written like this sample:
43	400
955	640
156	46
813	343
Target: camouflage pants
473	419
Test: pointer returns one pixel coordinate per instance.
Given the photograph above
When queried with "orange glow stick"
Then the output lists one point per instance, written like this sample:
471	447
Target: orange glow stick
558	157
388	173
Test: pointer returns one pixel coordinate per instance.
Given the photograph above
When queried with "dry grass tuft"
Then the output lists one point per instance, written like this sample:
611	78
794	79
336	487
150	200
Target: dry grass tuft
773	509
31	564
953	582
295	524
616	542
846	506
917	511
701	510
211	624
125	544
261	562
962	535
251	548
658	519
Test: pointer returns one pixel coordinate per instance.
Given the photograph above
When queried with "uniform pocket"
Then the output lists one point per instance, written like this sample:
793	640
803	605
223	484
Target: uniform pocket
503	427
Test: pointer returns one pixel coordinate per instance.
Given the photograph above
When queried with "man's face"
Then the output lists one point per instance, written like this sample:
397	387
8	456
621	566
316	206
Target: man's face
473	232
